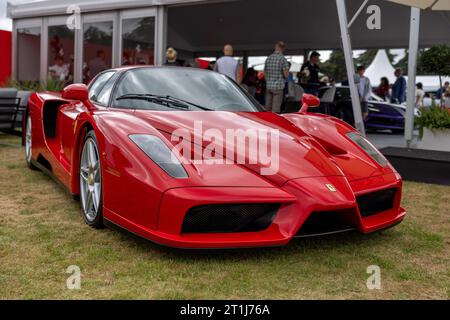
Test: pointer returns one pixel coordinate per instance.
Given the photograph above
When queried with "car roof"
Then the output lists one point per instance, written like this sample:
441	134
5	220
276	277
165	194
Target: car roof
136	67
125	68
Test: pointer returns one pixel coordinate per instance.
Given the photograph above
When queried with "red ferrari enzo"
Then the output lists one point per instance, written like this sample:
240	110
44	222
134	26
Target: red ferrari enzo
116	145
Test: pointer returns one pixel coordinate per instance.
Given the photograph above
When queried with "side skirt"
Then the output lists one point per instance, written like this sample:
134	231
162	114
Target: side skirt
54	178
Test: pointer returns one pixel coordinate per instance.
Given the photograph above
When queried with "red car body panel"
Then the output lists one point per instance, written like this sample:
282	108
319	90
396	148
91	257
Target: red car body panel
140	197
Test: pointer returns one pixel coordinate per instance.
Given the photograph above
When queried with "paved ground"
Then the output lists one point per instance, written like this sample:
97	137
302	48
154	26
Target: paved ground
384	139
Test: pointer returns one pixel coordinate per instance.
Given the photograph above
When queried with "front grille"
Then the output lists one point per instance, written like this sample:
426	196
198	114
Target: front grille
376	202
229	218
326	222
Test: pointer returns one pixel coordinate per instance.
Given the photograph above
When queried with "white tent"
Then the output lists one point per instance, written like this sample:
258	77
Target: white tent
5	24
380	67
430	83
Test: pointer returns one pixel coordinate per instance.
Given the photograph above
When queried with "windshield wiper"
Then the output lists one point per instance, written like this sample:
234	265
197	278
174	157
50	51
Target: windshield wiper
188	102
164	100
155	99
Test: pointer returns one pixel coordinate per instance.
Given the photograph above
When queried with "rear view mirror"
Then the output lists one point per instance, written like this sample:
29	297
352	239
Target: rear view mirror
309	101
76	91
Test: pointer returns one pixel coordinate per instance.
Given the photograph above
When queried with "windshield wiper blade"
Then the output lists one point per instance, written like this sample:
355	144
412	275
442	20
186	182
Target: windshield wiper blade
166	99
156	99
188	102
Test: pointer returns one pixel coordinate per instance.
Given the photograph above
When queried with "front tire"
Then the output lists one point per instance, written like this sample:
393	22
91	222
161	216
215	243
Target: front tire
90	175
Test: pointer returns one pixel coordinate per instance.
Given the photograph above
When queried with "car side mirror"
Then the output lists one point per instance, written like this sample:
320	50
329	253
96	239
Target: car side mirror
76	91
309	101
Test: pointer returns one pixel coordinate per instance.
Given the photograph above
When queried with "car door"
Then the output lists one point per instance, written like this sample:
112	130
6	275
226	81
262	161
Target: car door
69	114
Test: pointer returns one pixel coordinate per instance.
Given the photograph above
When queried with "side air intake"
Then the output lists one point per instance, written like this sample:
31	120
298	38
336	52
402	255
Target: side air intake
376	202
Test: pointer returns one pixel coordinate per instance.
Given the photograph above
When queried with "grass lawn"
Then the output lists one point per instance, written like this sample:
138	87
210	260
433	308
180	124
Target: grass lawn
42	233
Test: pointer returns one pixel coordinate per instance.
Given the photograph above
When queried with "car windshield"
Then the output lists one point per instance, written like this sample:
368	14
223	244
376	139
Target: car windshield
172	88
375	97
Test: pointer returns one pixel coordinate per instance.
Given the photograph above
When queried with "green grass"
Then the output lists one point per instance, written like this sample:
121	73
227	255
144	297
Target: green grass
42	233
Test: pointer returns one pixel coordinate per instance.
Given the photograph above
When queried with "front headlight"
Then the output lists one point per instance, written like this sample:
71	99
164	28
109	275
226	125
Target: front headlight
368	147
160	153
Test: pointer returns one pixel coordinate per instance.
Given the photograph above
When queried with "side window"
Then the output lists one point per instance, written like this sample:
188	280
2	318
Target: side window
98	85
127	85
105	92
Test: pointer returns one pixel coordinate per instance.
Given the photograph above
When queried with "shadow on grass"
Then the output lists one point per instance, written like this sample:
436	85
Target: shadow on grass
351	241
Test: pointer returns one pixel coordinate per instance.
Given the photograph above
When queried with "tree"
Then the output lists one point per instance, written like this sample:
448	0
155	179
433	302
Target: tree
142	33
436	60
335	66
403	63
366	58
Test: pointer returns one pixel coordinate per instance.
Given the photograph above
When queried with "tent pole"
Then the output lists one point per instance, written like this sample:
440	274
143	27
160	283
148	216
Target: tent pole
412	69
357	14
161	35
348	53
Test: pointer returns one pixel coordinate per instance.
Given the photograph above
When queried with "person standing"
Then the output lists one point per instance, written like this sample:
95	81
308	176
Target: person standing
309	73
229	66
399	88
172	58
446	98
383	89
276	71
364	90
251	81
442	90
420	94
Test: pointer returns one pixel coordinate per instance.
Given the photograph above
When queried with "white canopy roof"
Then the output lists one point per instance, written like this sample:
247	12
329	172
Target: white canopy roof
426	4
430	83
5	24
380	67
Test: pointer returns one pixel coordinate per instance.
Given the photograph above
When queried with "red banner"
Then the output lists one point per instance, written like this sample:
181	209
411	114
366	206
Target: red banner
5	55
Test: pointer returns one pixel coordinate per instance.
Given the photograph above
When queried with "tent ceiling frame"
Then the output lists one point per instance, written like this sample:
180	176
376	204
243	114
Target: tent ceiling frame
358	12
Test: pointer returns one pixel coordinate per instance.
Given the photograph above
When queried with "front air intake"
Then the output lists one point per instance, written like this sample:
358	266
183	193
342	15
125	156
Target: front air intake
327	222
228	218
376	202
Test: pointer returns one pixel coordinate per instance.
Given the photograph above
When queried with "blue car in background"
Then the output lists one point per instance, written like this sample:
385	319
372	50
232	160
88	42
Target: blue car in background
336	101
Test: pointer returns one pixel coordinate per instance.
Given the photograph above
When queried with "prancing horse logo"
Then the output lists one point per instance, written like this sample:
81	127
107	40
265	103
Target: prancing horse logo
331	188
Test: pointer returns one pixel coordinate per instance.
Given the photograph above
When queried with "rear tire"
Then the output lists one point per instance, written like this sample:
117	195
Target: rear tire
91	188
29	143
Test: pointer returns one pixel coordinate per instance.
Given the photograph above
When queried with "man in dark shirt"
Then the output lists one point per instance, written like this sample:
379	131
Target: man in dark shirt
399	88
309	73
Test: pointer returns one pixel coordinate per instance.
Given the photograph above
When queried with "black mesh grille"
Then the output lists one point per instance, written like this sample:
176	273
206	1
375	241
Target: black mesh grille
376	202
229	218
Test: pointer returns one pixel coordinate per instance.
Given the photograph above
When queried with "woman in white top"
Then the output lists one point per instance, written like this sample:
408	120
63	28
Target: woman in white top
420	94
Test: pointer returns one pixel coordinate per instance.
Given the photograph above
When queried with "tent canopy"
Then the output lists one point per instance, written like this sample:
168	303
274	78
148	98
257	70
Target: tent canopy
203	26
426	4
255	25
